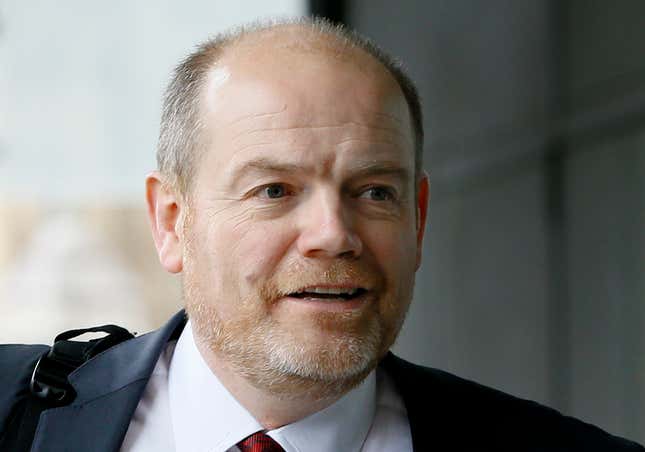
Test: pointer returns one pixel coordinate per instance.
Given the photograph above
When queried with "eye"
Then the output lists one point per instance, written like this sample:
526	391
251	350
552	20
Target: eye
274	191
379	193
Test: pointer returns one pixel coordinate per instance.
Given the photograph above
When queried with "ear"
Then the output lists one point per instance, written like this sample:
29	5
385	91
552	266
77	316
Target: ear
163	211
423	198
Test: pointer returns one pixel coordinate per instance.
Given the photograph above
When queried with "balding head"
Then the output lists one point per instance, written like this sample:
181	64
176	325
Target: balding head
181	142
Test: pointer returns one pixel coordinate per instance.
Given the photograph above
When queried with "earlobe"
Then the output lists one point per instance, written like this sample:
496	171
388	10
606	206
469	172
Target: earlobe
164	212
423	199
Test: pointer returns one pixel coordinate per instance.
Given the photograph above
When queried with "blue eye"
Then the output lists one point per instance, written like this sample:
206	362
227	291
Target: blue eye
378	194
274	191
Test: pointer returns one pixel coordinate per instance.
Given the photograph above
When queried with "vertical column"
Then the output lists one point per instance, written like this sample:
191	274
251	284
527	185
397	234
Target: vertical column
559	304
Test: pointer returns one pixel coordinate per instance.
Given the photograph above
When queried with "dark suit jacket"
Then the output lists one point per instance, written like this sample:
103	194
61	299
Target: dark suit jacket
446	413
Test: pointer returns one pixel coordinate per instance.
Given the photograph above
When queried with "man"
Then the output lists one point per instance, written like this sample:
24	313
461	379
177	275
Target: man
290	196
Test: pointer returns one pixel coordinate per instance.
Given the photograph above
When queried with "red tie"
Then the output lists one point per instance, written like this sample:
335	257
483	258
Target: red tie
259	442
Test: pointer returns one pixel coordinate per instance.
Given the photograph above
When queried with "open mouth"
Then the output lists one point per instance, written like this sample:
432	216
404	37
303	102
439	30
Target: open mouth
327	293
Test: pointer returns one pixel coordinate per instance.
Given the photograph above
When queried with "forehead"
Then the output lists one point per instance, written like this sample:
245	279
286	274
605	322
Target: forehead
303	75
257	91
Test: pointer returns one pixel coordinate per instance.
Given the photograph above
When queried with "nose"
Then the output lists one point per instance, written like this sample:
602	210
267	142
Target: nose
327	229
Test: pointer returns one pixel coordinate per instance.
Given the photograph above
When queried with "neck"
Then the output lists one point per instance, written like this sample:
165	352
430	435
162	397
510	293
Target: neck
288	401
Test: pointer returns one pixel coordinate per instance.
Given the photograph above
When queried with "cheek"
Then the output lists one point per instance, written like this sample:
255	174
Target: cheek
232	264
256	249
393	246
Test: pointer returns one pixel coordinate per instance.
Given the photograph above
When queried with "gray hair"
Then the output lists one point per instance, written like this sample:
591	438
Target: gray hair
178	150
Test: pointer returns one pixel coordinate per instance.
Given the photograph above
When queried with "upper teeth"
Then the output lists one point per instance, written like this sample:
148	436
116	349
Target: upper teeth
331	290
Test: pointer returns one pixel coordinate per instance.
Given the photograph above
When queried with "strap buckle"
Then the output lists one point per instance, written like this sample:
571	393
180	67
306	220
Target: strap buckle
49	379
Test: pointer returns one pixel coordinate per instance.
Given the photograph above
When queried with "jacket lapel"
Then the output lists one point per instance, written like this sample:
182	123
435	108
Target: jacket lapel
108	389
417	388
441	408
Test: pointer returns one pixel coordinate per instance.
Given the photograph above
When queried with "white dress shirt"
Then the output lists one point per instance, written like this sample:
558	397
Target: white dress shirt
185	408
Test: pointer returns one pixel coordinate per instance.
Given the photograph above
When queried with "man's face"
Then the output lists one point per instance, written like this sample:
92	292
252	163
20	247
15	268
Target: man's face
302	239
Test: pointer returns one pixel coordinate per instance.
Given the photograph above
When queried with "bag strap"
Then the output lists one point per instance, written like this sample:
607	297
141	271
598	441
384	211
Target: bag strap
49	386
49	380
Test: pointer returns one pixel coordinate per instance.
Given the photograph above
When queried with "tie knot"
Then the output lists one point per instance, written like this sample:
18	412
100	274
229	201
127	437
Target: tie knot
259	442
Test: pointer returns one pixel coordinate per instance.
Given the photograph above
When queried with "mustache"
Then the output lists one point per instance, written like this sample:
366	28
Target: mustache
299	276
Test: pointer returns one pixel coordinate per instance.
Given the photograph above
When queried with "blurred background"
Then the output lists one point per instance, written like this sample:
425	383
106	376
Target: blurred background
533	274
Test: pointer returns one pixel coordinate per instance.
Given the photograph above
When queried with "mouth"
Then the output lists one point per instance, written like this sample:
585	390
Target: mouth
329	293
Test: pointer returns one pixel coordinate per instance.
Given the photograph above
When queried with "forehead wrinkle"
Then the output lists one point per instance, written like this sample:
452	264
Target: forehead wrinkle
247	147
257	116
328	126
391	130
387	116
365	140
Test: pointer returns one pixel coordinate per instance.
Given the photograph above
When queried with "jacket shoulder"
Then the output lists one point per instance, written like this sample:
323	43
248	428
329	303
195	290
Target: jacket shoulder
474	415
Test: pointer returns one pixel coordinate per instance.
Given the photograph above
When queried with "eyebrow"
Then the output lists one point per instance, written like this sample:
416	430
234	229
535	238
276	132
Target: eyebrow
391	169
265	165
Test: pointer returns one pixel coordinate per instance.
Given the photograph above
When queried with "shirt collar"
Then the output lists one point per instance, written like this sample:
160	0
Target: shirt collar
344	425
206	417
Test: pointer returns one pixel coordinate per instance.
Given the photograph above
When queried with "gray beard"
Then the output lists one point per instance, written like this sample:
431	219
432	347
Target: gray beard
273	361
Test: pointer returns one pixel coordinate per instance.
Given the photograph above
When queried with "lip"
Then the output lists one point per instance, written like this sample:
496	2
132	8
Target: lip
350	285
331	304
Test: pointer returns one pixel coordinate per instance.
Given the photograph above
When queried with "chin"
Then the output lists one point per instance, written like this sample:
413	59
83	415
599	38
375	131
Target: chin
334	358
321	370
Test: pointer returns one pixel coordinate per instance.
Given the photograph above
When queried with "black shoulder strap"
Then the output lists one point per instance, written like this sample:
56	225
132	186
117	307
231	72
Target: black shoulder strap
49	386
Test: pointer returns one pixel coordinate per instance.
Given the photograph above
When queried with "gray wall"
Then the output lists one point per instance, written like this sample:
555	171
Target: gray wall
532	279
